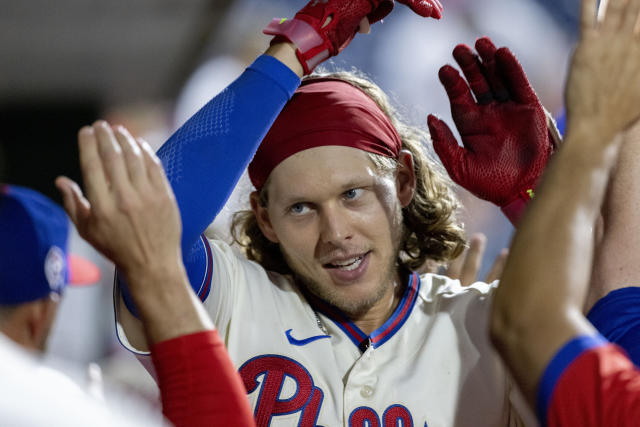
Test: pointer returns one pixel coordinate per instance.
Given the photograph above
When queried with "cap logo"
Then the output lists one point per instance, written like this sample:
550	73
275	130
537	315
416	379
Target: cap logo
54	268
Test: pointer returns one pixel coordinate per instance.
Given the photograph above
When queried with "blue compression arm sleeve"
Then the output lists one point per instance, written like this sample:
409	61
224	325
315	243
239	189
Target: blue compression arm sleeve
206	156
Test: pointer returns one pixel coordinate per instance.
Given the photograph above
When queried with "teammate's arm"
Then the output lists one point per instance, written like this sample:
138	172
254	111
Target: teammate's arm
130	215
538	307
616	272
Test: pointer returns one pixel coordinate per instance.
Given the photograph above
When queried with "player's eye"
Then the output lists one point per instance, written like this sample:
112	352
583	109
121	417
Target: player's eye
299	208
353	193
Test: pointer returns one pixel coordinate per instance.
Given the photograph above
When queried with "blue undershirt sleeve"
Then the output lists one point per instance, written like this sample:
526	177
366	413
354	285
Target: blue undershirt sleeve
206	156
617	317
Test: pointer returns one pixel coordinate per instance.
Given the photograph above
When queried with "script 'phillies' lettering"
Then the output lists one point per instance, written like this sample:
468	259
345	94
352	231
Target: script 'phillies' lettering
307	398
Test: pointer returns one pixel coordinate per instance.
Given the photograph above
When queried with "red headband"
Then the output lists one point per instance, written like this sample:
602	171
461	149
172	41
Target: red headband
324	112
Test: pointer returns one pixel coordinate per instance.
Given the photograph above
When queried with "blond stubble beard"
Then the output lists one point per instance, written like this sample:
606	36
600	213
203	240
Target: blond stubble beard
353	309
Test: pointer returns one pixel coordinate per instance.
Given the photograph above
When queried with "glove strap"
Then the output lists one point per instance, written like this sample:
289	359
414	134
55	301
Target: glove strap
514	209
310	46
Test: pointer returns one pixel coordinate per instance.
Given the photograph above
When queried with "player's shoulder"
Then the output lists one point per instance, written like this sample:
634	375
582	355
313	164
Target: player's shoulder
251	271
435	286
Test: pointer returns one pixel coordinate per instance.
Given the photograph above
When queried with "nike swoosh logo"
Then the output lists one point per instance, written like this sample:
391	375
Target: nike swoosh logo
305	341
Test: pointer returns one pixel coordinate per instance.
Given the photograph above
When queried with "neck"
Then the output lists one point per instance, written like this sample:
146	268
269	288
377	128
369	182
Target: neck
375	317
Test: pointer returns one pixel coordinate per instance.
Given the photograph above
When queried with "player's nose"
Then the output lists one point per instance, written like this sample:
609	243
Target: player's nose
335	225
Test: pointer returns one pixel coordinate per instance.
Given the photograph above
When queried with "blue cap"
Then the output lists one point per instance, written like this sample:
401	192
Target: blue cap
33	248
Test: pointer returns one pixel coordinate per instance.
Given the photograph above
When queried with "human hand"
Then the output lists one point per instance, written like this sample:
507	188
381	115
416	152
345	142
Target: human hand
505	133
467	266
129	212
603	88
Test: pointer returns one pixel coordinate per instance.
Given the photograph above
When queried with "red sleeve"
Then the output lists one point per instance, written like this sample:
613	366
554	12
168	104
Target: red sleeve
601	387
199	385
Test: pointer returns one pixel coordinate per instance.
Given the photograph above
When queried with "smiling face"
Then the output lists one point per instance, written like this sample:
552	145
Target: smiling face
338	222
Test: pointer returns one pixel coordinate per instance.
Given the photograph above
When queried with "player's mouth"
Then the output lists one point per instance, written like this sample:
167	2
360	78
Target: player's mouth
348	269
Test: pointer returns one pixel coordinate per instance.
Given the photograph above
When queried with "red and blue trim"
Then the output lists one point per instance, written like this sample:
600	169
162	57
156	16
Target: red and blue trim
387	330
205	286
400	315
342	321
558	365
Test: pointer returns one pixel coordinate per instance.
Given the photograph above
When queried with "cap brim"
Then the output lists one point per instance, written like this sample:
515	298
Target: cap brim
82	271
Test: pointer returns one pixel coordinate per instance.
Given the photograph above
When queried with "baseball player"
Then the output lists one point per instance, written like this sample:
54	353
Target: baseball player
567	370
327	324
130	215
35	267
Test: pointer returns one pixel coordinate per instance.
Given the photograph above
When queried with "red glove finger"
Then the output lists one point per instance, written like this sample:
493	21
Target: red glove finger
515	77
446	147
487	51
472	69
463	106
457	89
426	8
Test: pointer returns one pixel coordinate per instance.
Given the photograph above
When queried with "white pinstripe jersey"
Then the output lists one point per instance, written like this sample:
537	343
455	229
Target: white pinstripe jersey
430	364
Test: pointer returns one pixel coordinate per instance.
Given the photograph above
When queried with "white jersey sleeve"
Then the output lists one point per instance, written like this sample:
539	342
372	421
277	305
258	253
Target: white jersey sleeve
233	279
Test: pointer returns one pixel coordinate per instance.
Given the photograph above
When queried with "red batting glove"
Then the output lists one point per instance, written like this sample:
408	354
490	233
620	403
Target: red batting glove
316	41
504	130
426	8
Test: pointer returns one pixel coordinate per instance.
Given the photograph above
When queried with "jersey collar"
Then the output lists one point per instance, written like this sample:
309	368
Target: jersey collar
384	332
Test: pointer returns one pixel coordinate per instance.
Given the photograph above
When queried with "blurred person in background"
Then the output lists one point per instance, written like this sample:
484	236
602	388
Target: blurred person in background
34	265
35	268
59	402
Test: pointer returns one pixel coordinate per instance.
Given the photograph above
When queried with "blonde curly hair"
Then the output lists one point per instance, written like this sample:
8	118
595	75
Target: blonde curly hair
430	227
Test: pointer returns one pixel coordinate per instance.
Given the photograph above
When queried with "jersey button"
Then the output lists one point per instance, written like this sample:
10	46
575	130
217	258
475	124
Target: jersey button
367	391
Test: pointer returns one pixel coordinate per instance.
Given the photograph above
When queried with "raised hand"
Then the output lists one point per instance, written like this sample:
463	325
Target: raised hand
603	87
505	130
129	212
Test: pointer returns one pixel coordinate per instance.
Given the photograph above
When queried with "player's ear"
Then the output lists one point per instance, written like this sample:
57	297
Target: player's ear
35	320
262	217
405	178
